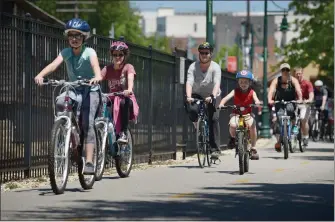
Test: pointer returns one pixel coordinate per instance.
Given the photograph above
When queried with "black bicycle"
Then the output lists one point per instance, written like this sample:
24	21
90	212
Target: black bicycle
202	139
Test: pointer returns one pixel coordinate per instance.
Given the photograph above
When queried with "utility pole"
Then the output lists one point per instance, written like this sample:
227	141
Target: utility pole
252	48
265	129
75	7
209	21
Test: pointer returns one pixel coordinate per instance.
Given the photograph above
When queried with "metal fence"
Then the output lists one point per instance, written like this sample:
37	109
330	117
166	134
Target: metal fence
27	46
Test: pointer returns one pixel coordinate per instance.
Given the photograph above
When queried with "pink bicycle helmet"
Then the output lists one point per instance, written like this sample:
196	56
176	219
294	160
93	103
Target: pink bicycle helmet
119	46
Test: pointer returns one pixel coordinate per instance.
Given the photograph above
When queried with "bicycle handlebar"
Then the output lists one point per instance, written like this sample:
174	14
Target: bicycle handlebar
115	94
292	101
237	106
63	82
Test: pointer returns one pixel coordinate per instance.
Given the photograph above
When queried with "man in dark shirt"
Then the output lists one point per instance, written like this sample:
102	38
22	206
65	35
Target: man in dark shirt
321	95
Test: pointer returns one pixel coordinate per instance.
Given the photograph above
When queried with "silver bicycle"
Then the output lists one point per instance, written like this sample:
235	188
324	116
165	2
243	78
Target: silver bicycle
66	141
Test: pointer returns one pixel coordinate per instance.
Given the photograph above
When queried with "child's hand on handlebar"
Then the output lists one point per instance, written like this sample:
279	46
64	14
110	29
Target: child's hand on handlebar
95	80
39	80
127	92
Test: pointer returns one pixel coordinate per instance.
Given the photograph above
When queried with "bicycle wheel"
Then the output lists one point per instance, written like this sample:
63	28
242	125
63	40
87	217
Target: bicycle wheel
124	161
301	146
240	148
87	181
101	150
246	155
315	131
285	140
56	152
293	142
201	143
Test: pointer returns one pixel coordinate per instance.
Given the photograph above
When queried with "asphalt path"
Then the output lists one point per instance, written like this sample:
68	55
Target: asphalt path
299	188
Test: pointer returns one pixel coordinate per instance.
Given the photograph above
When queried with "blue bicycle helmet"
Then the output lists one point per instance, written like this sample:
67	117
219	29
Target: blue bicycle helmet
245	74
79	25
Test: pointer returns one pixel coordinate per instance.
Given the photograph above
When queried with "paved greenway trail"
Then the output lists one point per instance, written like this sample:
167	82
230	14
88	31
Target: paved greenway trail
300	188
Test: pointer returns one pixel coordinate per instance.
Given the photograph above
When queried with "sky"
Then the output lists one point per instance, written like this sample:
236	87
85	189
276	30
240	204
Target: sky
218	6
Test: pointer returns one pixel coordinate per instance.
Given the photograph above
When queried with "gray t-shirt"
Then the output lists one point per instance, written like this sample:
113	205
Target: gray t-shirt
203	83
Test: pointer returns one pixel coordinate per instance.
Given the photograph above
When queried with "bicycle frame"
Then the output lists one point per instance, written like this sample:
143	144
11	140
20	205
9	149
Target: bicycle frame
202	113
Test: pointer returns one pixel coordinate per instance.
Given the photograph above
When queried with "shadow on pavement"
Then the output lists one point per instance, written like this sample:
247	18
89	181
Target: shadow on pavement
188	167
249	201
322	158
228	172
48	191
321	150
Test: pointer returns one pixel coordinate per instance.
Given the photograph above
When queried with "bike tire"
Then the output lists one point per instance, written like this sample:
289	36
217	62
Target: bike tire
208	149
201	143
315	131
246	156
119	160
285	141
240	148
51	158
88	184
293	143
101	153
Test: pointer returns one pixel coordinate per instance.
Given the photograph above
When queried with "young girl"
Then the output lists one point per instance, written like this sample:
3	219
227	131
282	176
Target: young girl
120	76
243	96
80	61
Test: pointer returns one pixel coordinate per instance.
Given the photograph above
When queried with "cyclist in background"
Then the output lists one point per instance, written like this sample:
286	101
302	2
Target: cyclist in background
203	81
321	97
120	76
286	88
80	61
243	96
305	110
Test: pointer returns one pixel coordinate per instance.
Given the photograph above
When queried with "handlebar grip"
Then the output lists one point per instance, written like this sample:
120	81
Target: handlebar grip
45	80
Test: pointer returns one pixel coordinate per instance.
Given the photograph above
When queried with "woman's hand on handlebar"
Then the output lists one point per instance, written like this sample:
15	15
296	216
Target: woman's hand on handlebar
189	99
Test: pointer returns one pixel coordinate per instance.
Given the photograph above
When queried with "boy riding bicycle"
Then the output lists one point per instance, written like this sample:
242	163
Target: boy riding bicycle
243	96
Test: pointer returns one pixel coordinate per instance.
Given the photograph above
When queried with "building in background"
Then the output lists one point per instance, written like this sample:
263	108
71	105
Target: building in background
187	30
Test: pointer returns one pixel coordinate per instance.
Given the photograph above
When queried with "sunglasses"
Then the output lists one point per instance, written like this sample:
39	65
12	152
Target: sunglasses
74	36
204	53
285	70
118	55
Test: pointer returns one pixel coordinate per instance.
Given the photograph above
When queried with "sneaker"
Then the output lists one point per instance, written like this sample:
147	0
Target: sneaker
278	147
254	154
89	169
123	138
231	144
305	141
215	151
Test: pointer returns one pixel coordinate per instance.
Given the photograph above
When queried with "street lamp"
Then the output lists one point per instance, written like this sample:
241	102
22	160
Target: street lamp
265	128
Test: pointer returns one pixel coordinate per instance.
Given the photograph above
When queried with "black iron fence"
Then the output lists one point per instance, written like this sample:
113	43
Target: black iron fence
27	46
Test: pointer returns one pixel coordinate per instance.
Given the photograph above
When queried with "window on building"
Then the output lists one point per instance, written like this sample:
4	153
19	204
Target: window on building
195	27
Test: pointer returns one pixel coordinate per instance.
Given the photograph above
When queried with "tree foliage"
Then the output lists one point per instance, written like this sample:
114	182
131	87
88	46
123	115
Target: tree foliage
315	44
232	51
119	13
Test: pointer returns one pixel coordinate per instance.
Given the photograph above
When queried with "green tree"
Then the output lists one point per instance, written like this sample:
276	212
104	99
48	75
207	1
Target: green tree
159	43
315	44
125	20
232	51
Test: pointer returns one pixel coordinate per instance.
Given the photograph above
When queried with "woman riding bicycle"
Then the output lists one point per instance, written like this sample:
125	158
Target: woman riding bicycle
120	76
80	61
243	96
287	88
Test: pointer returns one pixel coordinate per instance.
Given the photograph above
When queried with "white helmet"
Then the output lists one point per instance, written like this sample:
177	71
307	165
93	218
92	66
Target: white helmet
318	83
